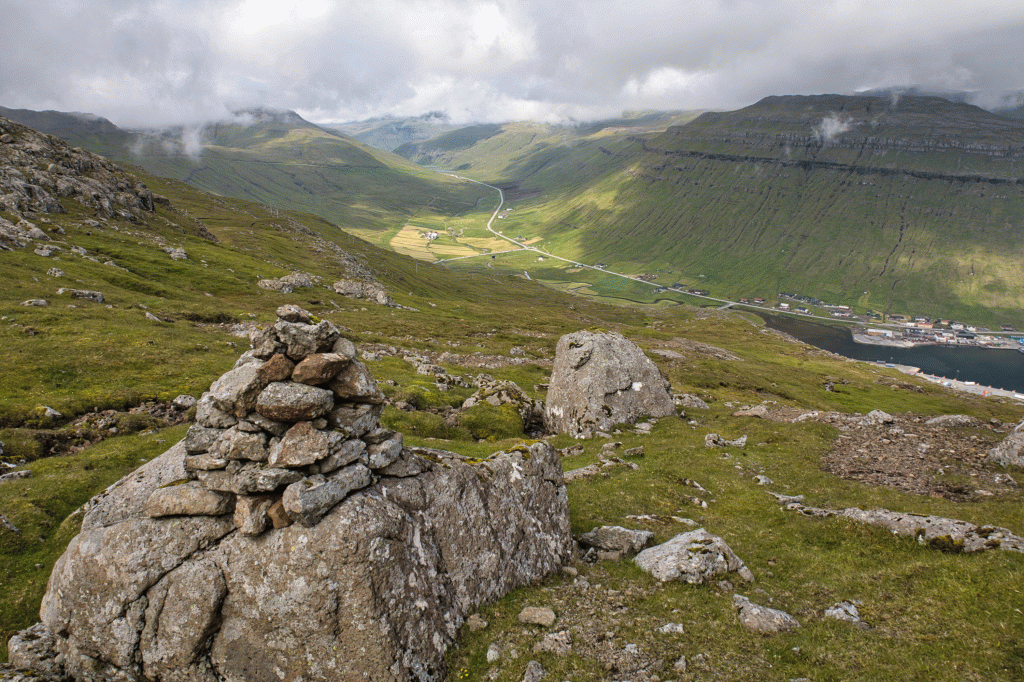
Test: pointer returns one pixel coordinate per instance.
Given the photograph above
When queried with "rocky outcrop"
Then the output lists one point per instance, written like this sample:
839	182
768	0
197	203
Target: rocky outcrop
762	619
38	172
1010	452
600	379
289	537
500	393
365	289
951	535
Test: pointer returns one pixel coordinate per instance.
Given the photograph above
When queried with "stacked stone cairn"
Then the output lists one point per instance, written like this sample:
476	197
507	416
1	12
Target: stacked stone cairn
286	434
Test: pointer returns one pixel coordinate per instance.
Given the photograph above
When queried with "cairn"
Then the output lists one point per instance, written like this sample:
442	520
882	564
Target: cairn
286	434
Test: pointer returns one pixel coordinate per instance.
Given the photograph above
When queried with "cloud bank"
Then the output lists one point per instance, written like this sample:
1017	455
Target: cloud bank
159	62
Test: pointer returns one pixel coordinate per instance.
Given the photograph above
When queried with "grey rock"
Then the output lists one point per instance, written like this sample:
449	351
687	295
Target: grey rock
234	443
380	455
761	618
407	464
94	296
558	643
534	672
303	445
235	392
274	428
293	313
205	462
713	440
951	535
537	615
762	480
319	368
755	411
356	419
348	452
952	420
210	416
690	401
251	513
1010	452
693	557
385	577
55	272
250	479
184	402
36	648
875	417
617	539
200	438
36	303
354	383
672	629
188	499
600	379
844	610
308	500
291	402
301	340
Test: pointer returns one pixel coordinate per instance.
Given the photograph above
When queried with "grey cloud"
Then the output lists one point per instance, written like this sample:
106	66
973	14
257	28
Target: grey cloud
184	61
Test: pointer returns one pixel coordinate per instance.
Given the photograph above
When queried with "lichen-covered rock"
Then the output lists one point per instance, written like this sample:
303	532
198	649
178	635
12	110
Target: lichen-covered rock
355	383
319	368
188	499
693	557
291	402
600	379
380	584
762	618
617	539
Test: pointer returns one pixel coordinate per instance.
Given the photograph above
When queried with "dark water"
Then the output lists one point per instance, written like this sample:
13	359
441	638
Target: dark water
988	367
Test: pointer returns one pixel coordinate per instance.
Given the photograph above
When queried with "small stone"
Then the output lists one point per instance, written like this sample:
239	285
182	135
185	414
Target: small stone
536	615
236	391
200	438
208	415
184	402
671	629
380	455
534	672
251	513
307	501
36	303
349	451
558	643
277	368
680	665
493	652
235	443
319	368
278	515
761	618
303	445
188	499
354	383
291	402
763	480
476	623
356	419
250	478
204	462
293	313
617	539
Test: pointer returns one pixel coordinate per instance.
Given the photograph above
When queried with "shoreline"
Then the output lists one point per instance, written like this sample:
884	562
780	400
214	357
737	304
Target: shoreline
957	385
866	340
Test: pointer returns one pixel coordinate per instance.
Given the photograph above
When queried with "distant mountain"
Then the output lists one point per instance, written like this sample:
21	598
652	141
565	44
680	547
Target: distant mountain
389	133
278	158
908	206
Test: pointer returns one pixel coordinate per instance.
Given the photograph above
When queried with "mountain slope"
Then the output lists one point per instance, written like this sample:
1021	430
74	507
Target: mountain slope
282	160
909	208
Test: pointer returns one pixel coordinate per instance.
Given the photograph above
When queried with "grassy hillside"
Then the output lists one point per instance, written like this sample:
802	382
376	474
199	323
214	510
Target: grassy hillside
912	208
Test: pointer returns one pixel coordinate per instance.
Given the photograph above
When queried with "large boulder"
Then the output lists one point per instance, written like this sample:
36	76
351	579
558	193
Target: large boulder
600	379
345	556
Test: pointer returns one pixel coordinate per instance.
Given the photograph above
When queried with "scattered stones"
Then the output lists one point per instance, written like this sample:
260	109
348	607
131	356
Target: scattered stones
693	557
536	615
558	643
761	618
600	379
952	420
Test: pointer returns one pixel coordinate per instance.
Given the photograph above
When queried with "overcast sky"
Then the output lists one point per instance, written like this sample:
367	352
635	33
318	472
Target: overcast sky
184	61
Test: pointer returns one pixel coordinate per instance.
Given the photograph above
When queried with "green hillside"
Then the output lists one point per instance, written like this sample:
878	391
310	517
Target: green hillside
914	208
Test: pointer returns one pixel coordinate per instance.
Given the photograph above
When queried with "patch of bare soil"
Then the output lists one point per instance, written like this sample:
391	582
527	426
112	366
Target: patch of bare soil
940	460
